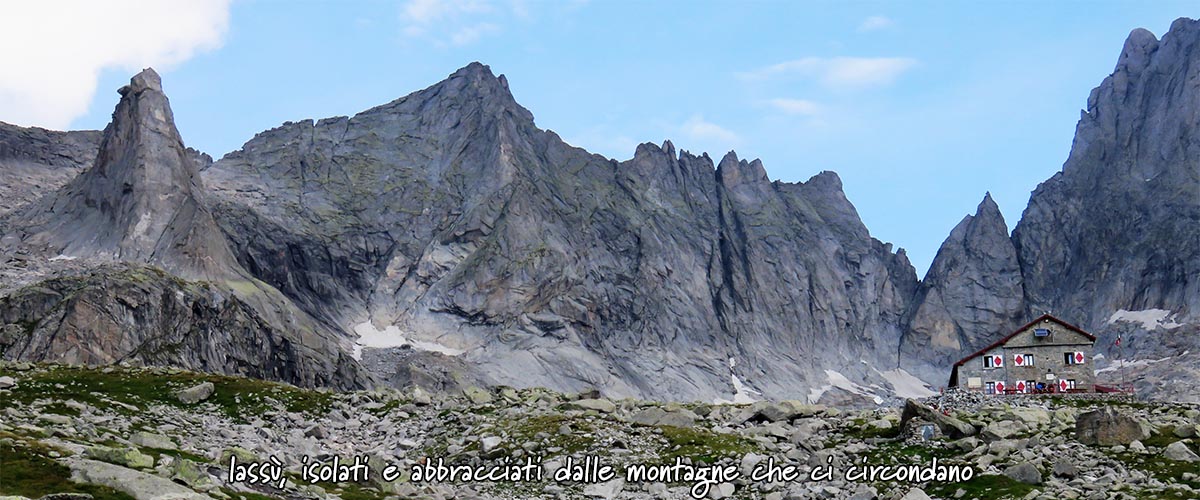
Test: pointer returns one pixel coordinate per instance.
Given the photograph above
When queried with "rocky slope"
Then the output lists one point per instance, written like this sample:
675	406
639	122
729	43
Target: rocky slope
973	291
125	263
36	161
447	217
1111	243
165	433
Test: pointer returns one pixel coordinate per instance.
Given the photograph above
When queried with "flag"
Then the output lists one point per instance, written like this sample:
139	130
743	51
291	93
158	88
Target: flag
1118	342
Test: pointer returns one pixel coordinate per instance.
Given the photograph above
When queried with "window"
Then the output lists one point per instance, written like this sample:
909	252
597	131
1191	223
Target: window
1073	358
990	388
993	361
1030	386
1023	360
1070	384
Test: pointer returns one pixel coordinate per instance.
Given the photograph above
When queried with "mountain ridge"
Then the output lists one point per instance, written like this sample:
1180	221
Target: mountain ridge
442	238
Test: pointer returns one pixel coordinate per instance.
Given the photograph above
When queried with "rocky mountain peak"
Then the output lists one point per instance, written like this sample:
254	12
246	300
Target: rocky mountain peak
148	79
140	200
971	294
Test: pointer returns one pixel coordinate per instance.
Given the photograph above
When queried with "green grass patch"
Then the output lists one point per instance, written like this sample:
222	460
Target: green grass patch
237	397
26	469
983	486
703	445
527	430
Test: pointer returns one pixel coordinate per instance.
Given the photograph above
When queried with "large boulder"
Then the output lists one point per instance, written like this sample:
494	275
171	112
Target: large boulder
1025	472
950	426
1179	451
1109	427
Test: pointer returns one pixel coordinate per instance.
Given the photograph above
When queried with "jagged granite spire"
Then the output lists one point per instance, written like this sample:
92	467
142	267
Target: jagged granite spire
1119	226
141	199
971	294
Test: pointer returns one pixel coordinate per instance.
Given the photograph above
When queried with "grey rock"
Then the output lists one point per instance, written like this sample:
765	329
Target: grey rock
607	490
915	494
1024	472
196	393
7	382
972	291
1065	468
450	215
1180	451
152	440
1109	427
160	281
139	485
36	161
600	405
950	426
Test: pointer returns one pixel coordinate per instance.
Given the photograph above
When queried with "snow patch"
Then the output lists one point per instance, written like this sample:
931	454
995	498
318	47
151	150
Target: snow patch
907	385
62	257
1149	318
390	336
741	393
840	381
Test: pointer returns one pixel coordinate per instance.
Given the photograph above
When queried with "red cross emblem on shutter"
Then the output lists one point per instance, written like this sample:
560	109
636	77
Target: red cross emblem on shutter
1062	385
1079	357
999	387
1020	360
1020	385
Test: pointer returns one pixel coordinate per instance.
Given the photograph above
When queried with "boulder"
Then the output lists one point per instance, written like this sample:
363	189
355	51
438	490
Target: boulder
152	440
606	490
1109	427
139	485
1180	452
600	405
950	426
1024	472
783	410
196	393
477	396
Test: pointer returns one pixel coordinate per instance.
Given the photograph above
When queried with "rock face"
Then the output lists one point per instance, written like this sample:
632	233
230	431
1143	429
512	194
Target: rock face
144	316
1109	427
1130	182
1111	243
139	271
139	202
450	216
972	291
36	161
461	246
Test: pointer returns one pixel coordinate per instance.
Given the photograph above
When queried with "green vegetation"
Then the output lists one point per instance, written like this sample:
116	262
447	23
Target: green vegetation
991	486
239	398
526	430
29	471
702	445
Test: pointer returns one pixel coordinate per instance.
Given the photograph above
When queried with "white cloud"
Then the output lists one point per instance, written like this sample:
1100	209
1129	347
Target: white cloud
795	106
710	136
55	50
839	71
471	33
457	22
874	23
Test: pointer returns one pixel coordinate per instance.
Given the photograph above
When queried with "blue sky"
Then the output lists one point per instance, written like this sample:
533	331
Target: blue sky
921	107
